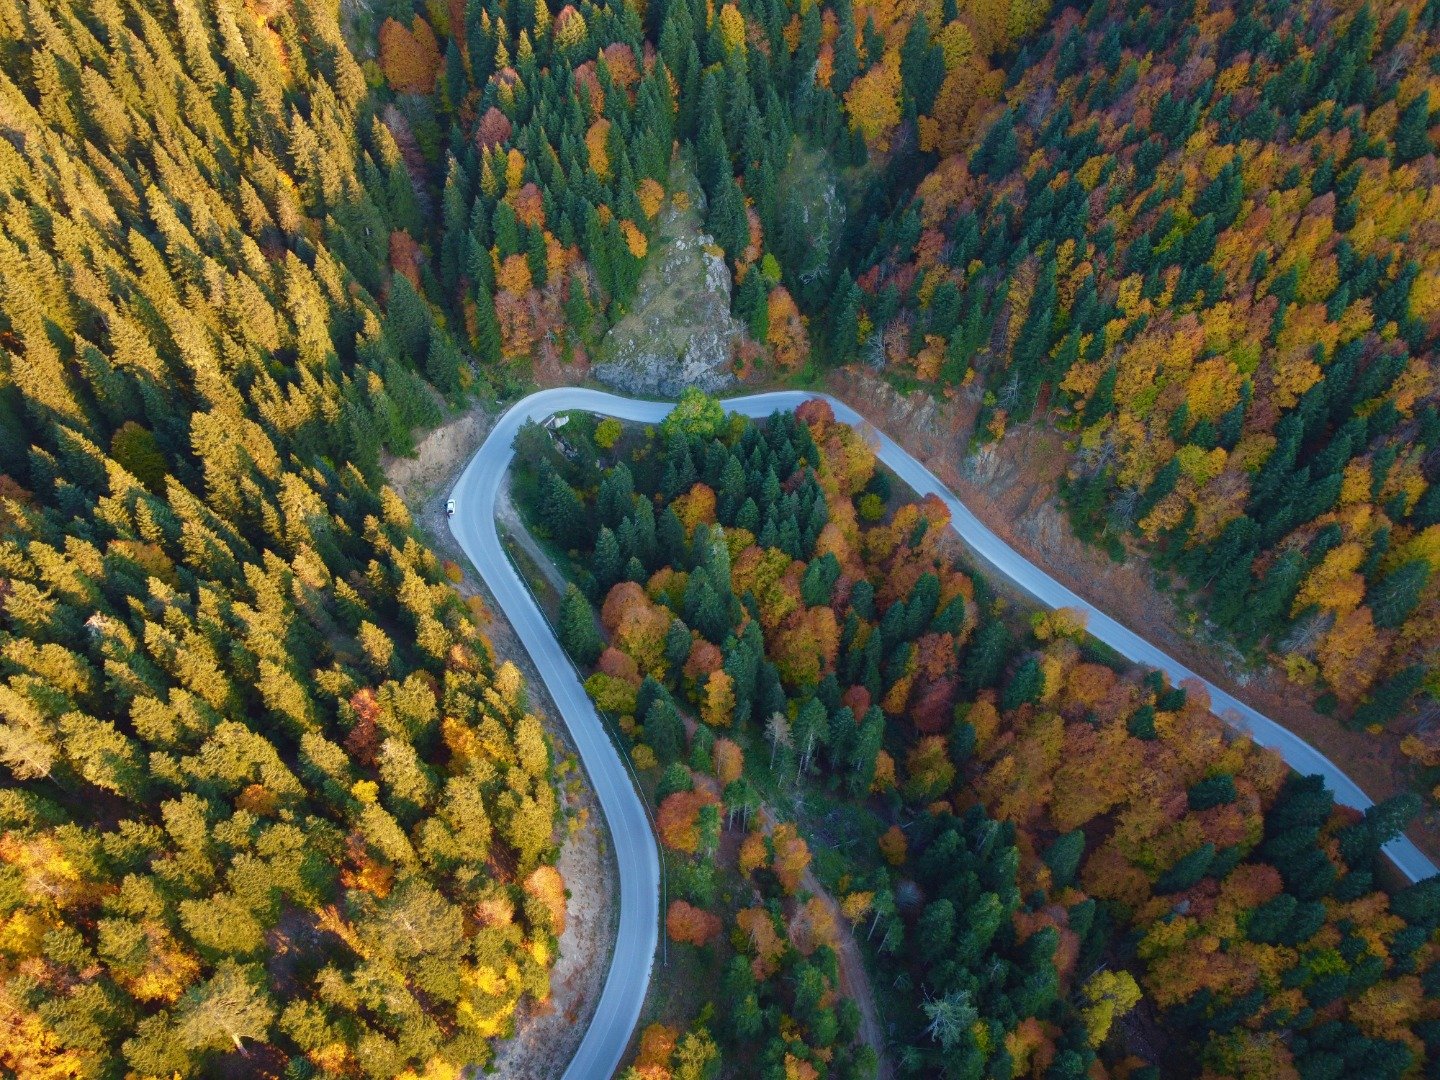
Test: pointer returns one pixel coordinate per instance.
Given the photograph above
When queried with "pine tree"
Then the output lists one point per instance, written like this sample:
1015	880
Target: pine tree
845	322
1398	593
1063	857
865	750
677	645
1025	685
408	321
999	152
607	565
578	631
443	363
725	218
487	342
227	1009
561	510
664	731
986	657
1386	701
1188	871
1412	132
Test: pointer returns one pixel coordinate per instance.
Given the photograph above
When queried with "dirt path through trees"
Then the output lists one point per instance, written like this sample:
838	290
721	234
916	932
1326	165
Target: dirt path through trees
854	978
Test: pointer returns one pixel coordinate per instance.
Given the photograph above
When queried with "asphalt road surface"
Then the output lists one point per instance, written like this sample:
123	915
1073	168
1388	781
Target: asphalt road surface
474	529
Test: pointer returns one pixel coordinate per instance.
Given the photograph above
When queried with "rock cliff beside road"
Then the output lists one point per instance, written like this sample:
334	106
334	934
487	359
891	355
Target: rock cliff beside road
679	332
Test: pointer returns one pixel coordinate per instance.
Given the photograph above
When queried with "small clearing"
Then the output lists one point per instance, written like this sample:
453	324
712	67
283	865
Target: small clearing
808	179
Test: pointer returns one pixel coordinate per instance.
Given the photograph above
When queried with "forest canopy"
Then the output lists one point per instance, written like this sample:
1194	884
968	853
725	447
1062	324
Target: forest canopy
271	804
1197	239
1040	837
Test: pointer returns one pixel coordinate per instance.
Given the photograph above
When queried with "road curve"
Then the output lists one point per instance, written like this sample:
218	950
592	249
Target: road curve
474	529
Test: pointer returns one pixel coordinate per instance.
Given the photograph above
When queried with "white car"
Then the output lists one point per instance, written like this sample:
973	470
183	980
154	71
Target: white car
449	507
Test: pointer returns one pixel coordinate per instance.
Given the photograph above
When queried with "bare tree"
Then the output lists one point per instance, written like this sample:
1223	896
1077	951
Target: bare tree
1009	393
777	730
1306	634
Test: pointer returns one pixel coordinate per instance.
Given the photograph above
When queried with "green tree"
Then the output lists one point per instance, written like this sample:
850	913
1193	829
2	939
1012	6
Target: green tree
1386	701
561	511
985	659
1212	791
606	566
677	645
664	731
1412	132
226	1009
137	449
1063	857
1025	685
1188	871
696	414
578	632
443	363
409	322
1398	593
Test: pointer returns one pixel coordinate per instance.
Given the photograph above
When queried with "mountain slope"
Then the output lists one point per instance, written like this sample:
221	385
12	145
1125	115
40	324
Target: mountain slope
269	796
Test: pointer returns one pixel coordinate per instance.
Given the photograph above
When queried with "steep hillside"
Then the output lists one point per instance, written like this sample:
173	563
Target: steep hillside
1203	239
270	803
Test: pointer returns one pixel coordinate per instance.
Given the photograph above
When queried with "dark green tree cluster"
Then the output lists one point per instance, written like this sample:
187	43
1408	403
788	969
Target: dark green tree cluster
944	965
740	111
970	979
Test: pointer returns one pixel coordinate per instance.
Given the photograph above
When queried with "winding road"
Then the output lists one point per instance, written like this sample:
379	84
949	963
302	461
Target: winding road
474	529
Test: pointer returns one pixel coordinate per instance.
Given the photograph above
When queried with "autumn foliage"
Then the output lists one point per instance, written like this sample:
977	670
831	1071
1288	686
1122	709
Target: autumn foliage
410	57
1024	758
787	339
1201	284
691	925
677	819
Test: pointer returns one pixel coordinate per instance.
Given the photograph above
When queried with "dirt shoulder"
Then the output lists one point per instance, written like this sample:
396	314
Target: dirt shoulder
508	517
438	459
547	1036
1012	489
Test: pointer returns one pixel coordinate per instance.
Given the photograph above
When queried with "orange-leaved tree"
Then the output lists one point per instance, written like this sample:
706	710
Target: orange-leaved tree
691	925
410	58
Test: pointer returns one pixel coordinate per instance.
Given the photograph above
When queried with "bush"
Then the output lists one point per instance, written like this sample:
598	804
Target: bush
871	507
608	433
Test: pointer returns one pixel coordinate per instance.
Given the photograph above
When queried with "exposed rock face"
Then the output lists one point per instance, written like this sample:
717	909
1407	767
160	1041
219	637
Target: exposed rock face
679	331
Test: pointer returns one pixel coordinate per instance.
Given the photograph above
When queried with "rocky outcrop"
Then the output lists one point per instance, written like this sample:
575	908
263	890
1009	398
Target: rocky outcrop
679	332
